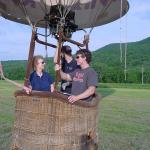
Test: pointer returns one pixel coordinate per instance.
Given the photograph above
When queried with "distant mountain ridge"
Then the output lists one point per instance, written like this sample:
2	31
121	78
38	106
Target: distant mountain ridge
106	61
138	53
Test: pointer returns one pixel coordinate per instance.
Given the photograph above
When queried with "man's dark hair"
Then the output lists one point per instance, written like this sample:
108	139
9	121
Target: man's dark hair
66	50
85	53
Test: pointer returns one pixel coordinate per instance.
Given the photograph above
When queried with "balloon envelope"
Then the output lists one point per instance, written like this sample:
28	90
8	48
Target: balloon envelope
88	13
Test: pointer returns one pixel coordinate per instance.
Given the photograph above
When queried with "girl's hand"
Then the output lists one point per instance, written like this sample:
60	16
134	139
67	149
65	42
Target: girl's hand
52	88
27	90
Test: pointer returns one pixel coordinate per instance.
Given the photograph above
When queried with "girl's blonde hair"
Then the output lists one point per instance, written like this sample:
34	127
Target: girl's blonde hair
35	61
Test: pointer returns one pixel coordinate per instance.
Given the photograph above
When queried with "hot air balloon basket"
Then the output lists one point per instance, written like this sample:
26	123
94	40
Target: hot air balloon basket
45	121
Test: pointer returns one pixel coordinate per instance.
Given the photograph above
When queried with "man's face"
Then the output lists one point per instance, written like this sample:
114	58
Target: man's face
80	59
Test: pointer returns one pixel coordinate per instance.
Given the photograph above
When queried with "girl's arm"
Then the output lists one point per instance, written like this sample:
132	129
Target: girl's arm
52	88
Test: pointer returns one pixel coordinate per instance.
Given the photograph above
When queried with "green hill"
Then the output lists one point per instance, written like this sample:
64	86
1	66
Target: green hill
138	54
106	62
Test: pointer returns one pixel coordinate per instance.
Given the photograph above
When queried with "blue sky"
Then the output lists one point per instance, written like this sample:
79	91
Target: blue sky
15	37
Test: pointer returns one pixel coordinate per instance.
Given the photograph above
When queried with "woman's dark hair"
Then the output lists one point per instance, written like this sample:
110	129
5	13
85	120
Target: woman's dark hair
85	53
66	50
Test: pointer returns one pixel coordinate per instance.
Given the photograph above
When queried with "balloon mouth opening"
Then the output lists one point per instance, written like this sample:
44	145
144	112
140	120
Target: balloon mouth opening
60	17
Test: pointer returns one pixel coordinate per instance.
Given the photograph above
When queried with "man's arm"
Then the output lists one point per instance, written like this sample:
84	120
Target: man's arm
63	75
90	91
55	56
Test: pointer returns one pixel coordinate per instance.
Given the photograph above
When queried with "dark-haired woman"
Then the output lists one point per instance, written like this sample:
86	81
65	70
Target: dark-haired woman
68	65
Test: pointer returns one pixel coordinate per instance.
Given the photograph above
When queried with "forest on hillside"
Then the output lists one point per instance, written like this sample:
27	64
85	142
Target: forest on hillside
106	61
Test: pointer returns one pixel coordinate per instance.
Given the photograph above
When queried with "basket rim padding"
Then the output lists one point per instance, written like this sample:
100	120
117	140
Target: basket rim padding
60	97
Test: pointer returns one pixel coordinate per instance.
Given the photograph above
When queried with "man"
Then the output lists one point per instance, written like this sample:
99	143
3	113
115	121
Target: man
84	80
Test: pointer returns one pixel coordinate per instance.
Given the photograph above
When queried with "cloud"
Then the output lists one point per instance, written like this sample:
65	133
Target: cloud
15	37
15	41
140	9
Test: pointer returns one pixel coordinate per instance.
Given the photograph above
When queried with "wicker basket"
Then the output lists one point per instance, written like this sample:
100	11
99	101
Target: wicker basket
46	121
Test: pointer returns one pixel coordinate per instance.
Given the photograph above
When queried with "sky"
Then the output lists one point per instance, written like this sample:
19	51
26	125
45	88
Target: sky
135	26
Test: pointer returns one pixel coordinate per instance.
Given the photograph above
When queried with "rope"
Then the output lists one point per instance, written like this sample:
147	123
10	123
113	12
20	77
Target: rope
142	78
59	8
68	10
101	12
45	6
6	79
121	32
126	46
42	8
67	7
50	7
13	82
22	7
46	56
1	72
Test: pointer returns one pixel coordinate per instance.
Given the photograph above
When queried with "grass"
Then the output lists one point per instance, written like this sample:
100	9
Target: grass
7	105
124	117
125	85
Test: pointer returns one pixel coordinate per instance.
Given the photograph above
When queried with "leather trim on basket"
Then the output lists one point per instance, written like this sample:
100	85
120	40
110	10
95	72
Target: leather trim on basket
61	97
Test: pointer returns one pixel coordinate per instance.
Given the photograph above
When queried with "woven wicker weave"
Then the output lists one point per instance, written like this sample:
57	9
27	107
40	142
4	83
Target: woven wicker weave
50	123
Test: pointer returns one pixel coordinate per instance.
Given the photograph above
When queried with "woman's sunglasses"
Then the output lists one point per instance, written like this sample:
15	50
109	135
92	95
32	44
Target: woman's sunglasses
42	62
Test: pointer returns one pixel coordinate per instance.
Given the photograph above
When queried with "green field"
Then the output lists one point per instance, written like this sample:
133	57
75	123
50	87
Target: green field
124	117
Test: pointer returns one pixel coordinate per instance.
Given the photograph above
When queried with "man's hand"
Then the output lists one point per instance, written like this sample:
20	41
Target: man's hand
63	75
57	67
73	99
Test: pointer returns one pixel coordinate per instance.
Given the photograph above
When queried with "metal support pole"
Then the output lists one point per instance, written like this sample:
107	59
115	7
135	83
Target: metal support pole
60	36
142	69
44	43
74	42
87	46
30	58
